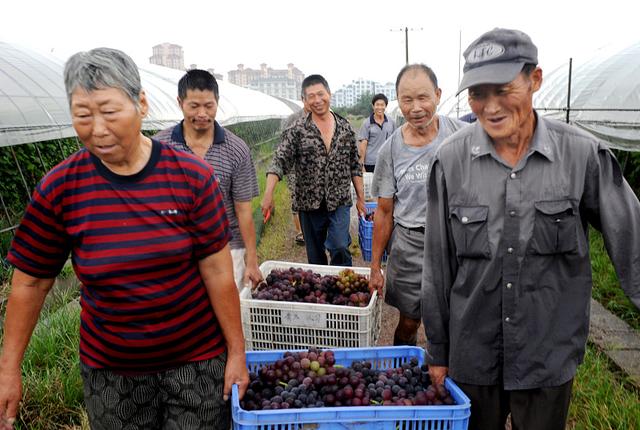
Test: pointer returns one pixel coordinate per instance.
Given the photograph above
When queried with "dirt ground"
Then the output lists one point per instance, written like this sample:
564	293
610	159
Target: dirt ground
390	314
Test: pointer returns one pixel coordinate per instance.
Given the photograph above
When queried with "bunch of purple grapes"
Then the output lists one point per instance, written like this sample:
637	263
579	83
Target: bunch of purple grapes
299	285
311	379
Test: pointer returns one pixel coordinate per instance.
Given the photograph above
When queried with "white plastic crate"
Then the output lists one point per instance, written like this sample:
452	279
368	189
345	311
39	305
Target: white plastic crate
367	179
270	325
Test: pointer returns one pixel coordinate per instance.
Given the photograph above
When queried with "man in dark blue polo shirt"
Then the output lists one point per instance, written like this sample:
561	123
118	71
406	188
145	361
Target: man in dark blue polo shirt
374	132
199	133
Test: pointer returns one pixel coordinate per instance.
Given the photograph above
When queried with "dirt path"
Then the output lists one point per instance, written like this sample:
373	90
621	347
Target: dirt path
288	250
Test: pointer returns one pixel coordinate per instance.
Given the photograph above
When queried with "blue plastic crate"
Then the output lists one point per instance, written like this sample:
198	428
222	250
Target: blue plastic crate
365	234
453	417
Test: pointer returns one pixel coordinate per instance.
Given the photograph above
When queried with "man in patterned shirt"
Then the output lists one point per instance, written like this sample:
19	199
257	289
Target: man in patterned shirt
321	150
291	177
200	134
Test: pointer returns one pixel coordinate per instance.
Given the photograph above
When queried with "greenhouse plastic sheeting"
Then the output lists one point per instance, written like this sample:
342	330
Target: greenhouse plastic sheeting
236	104
33	103
34	107
610	80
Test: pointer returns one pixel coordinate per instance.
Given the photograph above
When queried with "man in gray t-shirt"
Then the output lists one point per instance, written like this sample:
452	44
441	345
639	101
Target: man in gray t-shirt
400	184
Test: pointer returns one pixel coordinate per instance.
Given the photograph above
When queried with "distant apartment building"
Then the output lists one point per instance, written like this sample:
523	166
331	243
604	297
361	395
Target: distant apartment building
168	55
218	76
286	83
350	94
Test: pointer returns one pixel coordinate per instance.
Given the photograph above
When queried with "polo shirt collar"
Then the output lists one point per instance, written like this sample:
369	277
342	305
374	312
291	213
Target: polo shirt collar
373	121
540	141
177	135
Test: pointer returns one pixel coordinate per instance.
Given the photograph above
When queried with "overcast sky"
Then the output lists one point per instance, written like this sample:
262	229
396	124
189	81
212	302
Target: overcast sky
343	40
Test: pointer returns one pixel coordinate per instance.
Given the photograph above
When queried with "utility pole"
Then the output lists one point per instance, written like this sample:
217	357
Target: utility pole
406	45
406	40
459	68
569	90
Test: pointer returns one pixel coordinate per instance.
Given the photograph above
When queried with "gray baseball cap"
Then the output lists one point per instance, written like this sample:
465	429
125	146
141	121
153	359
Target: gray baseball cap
497	57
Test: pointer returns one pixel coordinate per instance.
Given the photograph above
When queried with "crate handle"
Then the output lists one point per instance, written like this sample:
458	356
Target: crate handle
235	394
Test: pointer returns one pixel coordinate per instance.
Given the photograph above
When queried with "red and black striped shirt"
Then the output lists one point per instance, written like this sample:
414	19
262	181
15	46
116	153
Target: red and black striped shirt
135	243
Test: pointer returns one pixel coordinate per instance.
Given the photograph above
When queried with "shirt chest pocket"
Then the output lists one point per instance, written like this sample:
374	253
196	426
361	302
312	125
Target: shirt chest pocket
555	228
374	132
470	233
308	149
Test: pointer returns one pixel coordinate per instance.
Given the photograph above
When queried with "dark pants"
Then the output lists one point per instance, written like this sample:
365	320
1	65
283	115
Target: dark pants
325	230
535	409
188	397
369	168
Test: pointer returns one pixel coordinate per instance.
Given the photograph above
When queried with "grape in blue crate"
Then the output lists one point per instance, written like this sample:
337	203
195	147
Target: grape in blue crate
383	388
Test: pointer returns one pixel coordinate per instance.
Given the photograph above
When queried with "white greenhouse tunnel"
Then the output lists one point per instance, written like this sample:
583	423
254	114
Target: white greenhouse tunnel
605	96
34	107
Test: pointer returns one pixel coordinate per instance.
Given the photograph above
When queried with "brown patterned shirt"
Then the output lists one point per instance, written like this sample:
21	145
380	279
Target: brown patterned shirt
320	175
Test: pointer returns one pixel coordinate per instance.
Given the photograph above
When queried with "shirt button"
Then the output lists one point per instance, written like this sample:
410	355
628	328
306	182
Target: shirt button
464	220
507	319
513	175
512	213
509	285
510	250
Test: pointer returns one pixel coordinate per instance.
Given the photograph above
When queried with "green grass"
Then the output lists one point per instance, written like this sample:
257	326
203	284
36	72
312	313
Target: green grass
277	236
52	388
67	271
52	385
601	400
356	122
606	288
64	290
263	152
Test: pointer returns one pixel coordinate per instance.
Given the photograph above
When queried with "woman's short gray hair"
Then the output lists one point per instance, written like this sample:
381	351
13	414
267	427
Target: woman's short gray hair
102	68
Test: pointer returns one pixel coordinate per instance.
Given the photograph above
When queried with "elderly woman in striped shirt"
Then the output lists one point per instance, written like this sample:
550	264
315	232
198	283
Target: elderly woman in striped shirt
160	337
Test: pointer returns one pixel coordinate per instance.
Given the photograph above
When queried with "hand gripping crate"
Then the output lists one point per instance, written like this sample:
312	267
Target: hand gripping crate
367	179
445	417
365	234
269	325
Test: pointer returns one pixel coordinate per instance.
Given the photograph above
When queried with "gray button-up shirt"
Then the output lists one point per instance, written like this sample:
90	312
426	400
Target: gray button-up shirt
507	276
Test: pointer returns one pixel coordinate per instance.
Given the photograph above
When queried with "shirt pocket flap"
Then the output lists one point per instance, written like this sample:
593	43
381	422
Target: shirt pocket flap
470	214
470	232
555	228
554	207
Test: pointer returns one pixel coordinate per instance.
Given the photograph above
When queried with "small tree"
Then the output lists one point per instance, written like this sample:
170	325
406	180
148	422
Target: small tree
363	106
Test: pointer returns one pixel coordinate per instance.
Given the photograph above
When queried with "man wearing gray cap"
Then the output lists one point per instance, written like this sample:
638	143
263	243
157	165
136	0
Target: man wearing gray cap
506	282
